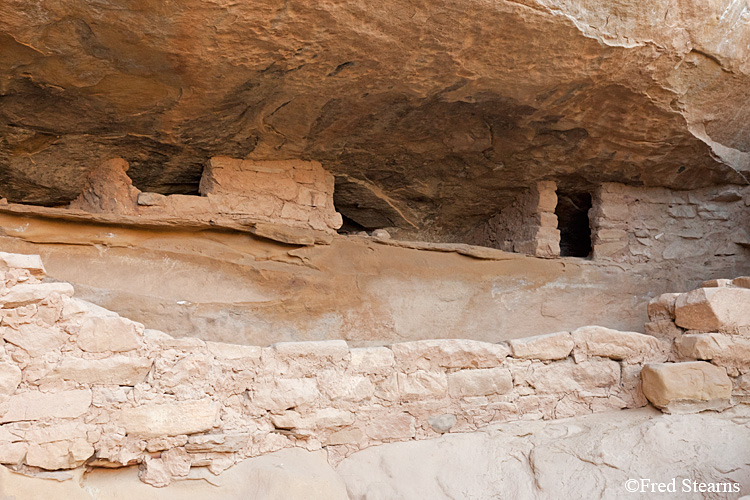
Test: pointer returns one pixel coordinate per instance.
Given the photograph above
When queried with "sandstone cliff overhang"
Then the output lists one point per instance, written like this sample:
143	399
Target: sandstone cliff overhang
428	115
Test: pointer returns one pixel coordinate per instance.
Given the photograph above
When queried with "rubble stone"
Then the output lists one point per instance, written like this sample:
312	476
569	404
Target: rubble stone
108	334
40	405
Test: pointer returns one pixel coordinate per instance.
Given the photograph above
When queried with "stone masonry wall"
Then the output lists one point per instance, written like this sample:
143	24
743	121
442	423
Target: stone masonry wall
290	193
637	224
82	385
528	226
710	324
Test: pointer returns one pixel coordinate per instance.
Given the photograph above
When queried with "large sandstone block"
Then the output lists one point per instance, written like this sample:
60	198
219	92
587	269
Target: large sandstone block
628	346
12	452
344	436
686	387
346	387
422	384
169	419
73	307
285	393
662	307
40	405
34	339
567	376
32	293
59	454
722	309
371	360
235	357
481	382
303	359
325	418
725	350
448	353
115	370
546	196
323	351
234	352
108	334
390	426
32	263
544	347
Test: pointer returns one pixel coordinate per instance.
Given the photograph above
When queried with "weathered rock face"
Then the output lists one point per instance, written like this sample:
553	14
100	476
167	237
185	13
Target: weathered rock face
426	112
287	474
577	458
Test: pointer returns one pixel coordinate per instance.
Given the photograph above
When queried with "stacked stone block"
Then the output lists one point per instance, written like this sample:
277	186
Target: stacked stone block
634	224
528	226
710	359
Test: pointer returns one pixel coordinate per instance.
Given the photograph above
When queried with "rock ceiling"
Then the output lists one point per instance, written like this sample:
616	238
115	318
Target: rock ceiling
428	112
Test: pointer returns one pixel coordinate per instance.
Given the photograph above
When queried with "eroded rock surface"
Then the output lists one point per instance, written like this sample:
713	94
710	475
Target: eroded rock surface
427	113
577	458
283	475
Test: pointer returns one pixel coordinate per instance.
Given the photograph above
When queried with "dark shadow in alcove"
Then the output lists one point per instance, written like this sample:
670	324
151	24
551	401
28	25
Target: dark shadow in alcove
573	222
350	227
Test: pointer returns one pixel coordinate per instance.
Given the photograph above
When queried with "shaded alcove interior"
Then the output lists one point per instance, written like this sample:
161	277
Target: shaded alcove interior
573	222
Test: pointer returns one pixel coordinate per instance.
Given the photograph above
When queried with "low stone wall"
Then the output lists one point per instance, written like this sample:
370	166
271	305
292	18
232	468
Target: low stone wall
79	384
528	226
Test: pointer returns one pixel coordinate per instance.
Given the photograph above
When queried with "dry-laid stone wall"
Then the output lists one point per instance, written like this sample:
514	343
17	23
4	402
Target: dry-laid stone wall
82	385
290	192
709	329
648	224
273	197
528	225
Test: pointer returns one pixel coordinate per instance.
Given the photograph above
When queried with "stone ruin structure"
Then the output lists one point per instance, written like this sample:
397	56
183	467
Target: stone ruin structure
82	385
382	251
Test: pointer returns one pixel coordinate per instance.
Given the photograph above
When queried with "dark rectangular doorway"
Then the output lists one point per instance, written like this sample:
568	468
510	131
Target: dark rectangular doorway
573	222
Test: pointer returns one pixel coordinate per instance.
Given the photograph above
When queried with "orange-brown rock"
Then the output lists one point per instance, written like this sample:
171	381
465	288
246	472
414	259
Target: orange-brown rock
108	189
428	114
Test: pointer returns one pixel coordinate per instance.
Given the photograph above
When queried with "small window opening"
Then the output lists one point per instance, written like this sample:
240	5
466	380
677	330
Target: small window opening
573	222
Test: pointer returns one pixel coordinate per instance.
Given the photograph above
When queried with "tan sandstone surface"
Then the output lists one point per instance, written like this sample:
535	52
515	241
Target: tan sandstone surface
387	250
431	114
236	287
82	385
